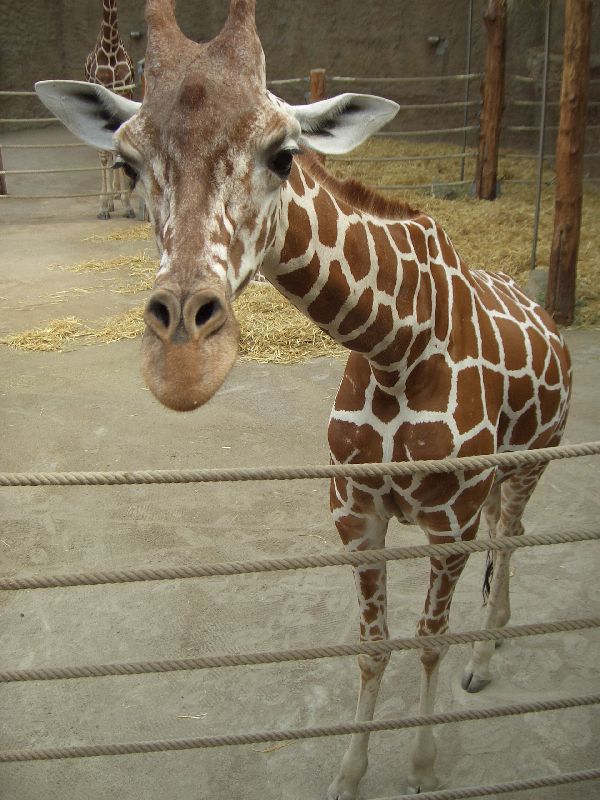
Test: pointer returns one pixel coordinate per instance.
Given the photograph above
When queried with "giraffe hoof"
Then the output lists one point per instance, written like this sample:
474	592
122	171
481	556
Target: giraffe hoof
103	215
425	785
129	214
471	683
337	791
335	795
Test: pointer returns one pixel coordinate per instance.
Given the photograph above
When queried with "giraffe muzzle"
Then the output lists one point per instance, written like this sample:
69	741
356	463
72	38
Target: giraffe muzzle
200	315
189	346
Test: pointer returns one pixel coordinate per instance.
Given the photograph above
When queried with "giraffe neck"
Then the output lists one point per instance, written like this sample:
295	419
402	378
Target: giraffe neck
361	277
108	63
109	30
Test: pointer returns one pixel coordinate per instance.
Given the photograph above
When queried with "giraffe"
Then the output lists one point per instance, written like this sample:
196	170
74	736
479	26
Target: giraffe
444	360
110	65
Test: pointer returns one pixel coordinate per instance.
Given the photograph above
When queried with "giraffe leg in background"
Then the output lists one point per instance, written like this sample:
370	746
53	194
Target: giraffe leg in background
444	574
364	533
491	512
514	494
122	191
106	203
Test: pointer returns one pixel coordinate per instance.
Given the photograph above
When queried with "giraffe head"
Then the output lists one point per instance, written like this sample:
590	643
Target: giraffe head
211	150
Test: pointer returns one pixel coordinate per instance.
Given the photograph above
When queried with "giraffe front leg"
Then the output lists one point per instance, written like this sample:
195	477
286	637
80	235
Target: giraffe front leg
444	574
364	533
355	761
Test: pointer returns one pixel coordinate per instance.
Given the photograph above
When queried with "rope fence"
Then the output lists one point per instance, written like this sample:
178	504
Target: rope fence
505	788
57	196
48	171
378	648
355	559
513	459
502	460
404	80
43	146
261	737
30	93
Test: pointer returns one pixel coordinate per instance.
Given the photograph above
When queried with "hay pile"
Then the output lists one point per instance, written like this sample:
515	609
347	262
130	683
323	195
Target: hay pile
140	232
494	236
141	270
55	336
273	331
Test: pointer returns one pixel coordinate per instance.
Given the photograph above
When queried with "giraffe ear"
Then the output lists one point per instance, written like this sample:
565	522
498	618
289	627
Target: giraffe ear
90	111
342	123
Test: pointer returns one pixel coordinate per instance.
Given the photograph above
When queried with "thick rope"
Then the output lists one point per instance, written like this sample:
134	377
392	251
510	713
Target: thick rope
428	132
287	81
398	187
307	654
416	79
10	93
43	146
55	196
286	735
519	458
48	171
504	788
355	559
379	159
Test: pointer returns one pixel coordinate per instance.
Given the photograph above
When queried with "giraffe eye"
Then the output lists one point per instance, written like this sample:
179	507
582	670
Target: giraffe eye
281	163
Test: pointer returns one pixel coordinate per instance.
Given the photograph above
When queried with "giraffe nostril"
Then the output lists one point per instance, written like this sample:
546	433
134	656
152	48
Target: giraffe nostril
160	312
206	312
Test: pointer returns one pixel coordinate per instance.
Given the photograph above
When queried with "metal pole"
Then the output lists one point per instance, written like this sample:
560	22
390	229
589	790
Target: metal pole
2	176
467	72
540	165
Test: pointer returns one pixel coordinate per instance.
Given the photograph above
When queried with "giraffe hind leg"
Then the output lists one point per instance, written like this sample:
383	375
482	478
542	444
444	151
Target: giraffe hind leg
514	495
106	188
123	192
491	513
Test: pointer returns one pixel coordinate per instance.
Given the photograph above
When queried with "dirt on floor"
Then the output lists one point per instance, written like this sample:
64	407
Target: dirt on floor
86	408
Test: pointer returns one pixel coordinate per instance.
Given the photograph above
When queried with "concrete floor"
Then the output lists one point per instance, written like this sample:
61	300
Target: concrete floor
88	409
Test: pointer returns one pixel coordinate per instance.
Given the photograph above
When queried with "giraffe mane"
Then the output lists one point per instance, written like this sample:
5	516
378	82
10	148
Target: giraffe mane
355	193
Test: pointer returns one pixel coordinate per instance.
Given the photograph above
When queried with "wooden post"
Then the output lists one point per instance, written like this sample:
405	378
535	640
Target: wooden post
2	177
560	297
318	83
492	90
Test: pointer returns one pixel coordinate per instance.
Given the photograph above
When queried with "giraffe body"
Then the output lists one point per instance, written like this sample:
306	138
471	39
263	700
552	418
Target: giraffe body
444	361
109	65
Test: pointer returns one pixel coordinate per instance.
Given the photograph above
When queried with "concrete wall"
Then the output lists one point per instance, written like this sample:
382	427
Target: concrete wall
380	38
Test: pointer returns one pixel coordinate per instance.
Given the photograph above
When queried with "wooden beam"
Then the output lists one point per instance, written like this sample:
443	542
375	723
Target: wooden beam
492	90
560	297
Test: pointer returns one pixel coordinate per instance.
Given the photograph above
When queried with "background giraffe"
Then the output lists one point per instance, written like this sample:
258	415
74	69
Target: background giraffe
110	65
445	360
